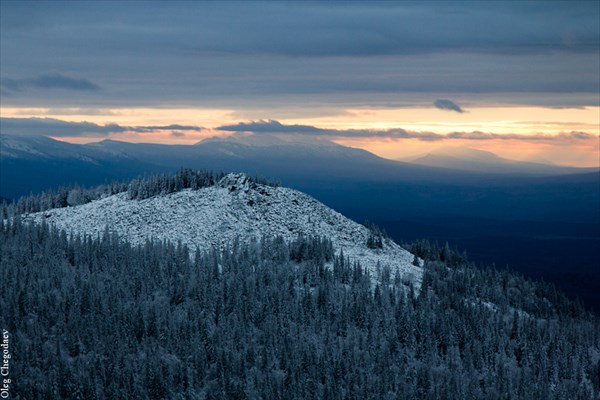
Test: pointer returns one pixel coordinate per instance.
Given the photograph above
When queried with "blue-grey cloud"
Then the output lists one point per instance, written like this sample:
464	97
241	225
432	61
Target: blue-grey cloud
445	104
49	81
59	128
275	127
271	126
566	137
318	29
167	128
10	85
58	81
55	127
289	53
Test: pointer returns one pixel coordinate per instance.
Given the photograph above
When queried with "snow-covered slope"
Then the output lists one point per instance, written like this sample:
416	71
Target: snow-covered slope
235	207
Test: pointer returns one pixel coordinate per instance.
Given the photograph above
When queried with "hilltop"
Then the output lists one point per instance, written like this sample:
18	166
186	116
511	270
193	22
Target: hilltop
236	207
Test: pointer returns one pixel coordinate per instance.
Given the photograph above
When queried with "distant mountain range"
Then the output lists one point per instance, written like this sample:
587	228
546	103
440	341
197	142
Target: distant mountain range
32	164
37	163
467	159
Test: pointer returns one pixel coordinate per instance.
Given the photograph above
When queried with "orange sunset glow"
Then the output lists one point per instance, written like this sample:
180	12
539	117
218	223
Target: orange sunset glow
503	120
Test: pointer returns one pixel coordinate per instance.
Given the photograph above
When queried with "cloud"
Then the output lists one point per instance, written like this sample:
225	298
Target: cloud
63	111
58	81
313	29
59	128
573	136
167	128
270	126
445	104
299	53
49	81
10	85
177	134
274	127
577	135
55	127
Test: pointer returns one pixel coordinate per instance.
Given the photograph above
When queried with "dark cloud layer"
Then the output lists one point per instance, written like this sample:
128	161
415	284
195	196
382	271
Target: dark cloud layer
49	81
273	127
169	128
270	126
445	104
58	81
55	127
289	53
60	128
327	28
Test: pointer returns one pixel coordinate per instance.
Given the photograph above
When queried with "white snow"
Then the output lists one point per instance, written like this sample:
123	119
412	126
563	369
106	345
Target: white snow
10	147
235	207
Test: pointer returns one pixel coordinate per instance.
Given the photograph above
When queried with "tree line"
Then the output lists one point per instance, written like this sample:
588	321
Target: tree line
137	189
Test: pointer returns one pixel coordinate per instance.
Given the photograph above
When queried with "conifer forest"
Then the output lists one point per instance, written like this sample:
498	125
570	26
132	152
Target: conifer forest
97	318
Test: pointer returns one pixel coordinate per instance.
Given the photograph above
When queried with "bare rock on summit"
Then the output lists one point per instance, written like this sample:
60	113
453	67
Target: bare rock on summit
236	181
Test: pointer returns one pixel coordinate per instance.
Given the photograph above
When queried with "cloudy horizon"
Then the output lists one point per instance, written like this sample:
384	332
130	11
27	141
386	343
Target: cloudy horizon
518	79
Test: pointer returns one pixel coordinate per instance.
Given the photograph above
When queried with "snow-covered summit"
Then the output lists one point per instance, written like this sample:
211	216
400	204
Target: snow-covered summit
235	207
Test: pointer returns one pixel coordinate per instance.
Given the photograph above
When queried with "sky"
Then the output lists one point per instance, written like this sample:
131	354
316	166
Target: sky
520	79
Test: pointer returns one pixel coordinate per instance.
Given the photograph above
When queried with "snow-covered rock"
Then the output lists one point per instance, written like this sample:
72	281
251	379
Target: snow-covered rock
235	207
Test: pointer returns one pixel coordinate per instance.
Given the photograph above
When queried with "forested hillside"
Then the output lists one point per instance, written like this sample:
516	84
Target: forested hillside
98	318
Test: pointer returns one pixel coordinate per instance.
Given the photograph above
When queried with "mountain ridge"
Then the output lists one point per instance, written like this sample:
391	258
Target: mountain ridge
469	159
47	163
